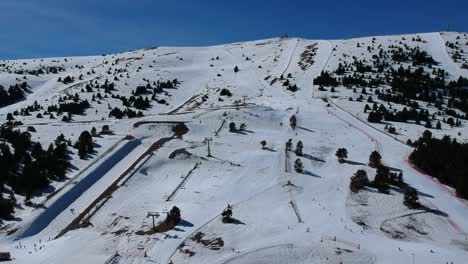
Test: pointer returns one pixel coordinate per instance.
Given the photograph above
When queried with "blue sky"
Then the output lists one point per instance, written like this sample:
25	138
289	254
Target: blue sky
45	28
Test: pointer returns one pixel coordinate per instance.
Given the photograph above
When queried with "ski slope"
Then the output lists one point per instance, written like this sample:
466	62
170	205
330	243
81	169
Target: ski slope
281	216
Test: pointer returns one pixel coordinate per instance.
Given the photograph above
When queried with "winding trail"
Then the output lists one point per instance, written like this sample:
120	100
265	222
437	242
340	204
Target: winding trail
378	147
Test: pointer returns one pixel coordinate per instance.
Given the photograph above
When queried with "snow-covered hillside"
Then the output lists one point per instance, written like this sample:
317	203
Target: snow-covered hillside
228	99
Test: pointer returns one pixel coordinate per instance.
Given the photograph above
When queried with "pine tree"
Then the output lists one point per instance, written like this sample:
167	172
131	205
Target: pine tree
341	154
428	124
173	218
289	145
299	147
375	160
293	121
84	144
411	198
227	214
298	166
382	179
10	117
366	108
358	181
232	127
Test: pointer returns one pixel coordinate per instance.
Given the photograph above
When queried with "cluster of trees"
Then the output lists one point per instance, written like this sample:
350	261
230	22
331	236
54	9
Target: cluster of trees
76	108
139	102
417	84
158	87
298	165
445	159
42	70
417	81
383	180
458	95
14	94
326	79
413	55
27	167
383	177
379	113
412	83
225	92
66	80
119	114
387	96
142	90
290	86
233	128
71	104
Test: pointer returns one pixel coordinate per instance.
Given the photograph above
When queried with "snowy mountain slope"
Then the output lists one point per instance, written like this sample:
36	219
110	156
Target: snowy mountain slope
281	216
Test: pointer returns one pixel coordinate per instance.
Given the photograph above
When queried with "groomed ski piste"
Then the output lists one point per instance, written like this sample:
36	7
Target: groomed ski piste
160	160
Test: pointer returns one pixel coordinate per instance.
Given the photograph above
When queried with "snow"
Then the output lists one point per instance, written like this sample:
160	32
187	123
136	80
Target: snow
283	216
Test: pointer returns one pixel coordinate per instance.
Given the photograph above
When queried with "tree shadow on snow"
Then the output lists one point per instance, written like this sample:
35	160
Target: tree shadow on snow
308	173
72	167
306	129
310	157
433	211
354	162
271	150
241	132
48	190
185	223
406	186
234	222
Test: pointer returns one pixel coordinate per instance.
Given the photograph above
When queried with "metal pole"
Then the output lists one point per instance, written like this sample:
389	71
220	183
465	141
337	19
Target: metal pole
208	139
153	215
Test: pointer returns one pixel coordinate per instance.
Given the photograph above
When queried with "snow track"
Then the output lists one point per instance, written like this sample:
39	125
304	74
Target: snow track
182	183
72	193
404	161
84	218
